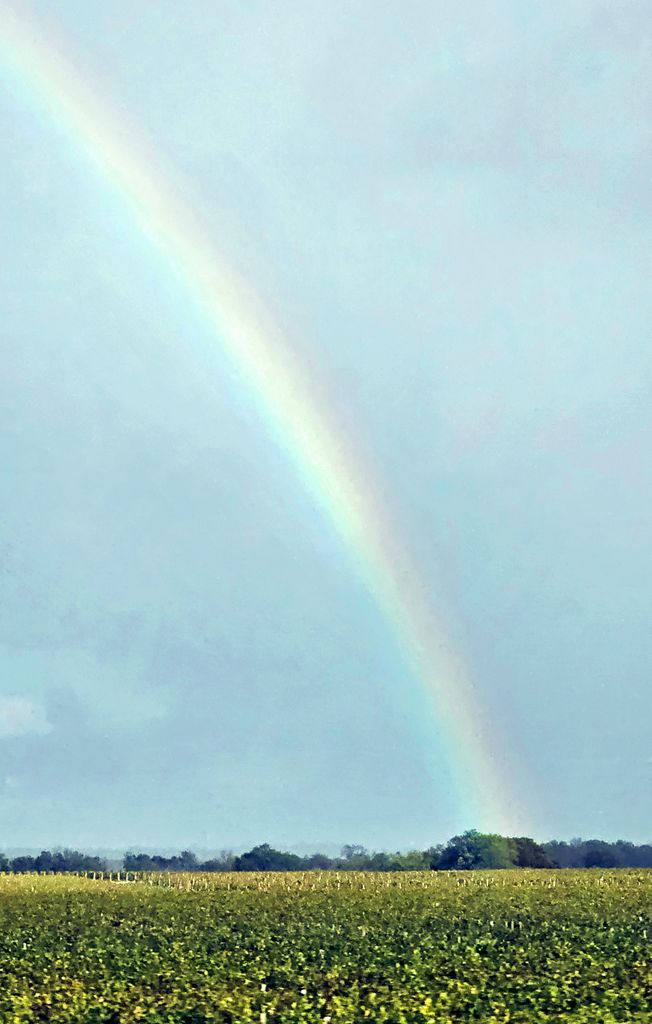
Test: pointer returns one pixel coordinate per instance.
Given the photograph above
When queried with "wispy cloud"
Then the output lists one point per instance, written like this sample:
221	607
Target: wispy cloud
22	717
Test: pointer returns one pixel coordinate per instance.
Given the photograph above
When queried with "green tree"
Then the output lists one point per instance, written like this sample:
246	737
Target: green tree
265	858
22	864
599	854
138	862
353	852
474	850
530	854
187	861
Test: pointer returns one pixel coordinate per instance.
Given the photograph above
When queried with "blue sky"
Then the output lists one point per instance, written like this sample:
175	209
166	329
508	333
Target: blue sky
448	209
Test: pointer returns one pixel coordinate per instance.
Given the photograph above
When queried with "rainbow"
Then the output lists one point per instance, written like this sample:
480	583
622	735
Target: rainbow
243	332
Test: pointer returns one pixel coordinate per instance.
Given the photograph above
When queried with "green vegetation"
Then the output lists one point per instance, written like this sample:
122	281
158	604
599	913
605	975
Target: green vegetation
469	851
402	948
59	861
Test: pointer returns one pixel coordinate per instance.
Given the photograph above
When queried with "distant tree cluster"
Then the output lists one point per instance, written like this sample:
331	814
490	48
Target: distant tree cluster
476	850
472	850
595	853
185	861
353	858
57	861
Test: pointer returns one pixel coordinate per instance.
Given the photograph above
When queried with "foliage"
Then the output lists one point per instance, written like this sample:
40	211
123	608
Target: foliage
59	861
474	850
524	947
186	861
264	858
530	854
581	853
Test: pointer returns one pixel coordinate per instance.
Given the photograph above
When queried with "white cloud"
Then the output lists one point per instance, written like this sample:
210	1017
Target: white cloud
115	687
22	717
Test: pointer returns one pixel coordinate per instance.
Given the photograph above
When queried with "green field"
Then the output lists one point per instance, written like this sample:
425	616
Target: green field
405	947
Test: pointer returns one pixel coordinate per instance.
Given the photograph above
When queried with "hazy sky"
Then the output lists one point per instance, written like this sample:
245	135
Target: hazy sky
448	207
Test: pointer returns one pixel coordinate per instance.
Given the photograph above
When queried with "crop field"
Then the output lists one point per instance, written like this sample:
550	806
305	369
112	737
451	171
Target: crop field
432	947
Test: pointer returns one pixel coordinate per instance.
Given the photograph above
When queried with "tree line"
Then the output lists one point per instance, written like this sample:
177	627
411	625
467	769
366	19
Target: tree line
472	850
58	861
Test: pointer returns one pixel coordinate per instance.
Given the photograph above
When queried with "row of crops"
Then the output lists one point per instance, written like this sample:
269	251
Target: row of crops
522	946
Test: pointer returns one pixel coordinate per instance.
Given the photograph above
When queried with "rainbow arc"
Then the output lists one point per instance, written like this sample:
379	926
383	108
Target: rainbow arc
243	332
